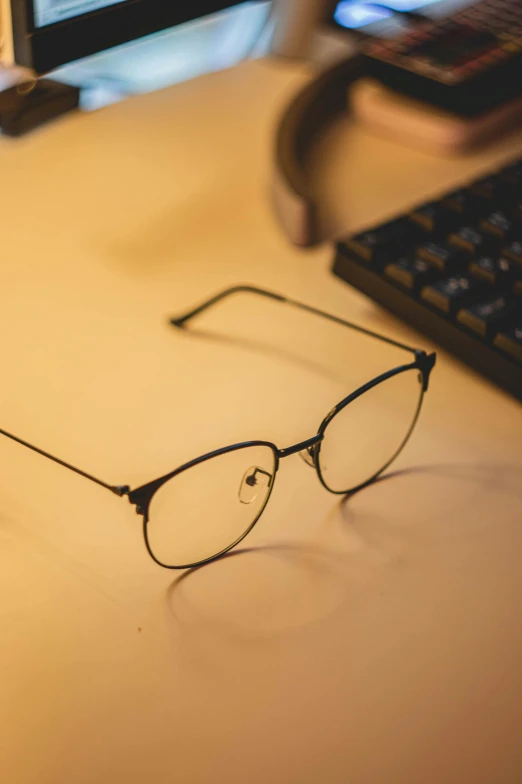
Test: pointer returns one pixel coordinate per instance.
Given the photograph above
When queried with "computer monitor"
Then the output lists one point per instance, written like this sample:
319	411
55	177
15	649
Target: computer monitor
50	33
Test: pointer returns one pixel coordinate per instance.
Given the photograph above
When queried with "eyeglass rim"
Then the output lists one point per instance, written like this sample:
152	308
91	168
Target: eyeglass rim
423	362
191	464
350	399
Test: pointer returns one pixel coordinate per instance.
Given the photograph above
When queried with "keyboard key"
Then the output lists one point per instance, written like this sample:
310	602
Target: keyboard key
489	189
433	218
451	294
462	204
443	256
471	240
510	341
513	253
496	272
487	317
413	274
384	243
500	225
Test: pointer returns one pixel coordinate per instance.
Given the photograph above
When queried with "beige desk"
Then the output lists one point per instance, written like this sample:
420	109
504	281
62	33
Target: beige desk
359	642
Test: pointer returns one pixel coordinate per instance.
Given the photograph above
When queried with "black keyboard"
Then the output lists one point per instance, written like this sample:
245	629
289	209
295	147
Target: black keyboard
452	268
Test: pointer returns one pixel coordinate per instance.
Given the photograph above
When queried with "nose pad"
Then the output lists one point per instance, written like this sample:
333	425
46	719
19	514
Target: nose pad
256	481
308	455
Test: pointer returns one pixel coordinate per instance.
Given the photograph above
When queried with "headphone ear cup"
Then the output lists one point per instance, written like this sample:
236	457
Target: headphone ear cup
303	120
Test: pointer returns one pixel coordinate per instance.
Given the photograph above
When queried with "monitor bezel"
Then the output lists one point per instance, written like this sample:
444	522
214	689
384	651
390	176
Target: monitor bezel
45	48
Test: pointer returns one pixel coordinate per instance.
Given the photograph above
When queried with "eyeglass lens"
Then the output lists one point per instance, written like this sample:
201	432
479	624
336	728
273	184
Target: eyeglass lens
368	433
210	506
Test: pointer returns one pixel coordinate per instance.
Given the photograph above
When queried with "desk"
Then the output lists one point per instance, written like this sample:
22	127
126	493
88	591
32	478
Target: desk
371	640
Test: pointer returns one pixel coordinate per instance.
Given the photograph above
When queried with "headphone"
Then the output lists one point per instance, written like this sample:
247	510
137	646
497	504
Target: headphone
310	111
306	116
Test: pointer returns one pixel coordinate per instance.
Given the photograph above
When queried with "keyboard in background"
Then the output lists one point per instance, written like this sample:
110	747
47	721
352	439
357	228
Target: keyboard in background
452	268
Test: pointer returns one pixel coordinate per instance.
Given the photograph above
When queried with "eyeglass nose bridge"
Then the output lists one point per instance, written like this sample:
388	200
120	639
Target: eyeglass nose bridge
307	449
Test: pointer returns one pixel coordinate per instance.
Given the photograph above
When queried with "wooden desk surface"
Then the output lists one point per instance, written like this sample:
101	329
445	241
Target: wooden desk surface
371	640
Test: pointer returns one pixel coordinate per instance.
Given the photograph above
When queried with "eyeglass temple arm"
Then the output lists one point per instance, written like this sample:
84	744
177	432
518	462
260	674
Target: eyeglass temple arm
116	489
181	321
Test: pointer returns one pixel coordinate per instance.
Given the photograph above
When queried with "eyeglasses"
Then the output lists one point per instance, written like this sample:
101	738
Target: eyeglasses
204	508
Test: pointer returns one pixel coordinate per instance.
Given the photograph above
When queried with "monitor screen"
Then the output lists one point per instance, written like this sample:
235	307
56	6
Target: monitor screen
49	33
47	12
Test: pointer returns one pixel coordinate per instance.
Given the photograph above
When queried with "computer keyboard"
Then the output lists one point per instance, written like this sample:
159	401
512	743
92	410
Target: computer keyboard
452	268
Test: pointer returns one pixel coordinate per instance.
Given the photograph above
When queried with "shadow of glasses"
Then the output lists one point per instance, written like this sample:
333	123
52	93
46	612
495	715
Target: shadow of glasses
505	476
260	591
457	499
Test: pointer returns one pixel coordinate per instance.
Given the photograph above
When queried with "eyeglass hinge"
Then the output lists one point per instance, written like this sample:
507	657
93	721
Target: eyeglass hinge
120	490
425	363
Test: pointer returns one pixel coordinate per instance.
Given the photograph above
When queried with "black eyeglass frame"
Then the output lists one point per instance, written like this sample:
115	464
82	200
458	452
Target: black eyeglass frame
142	496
